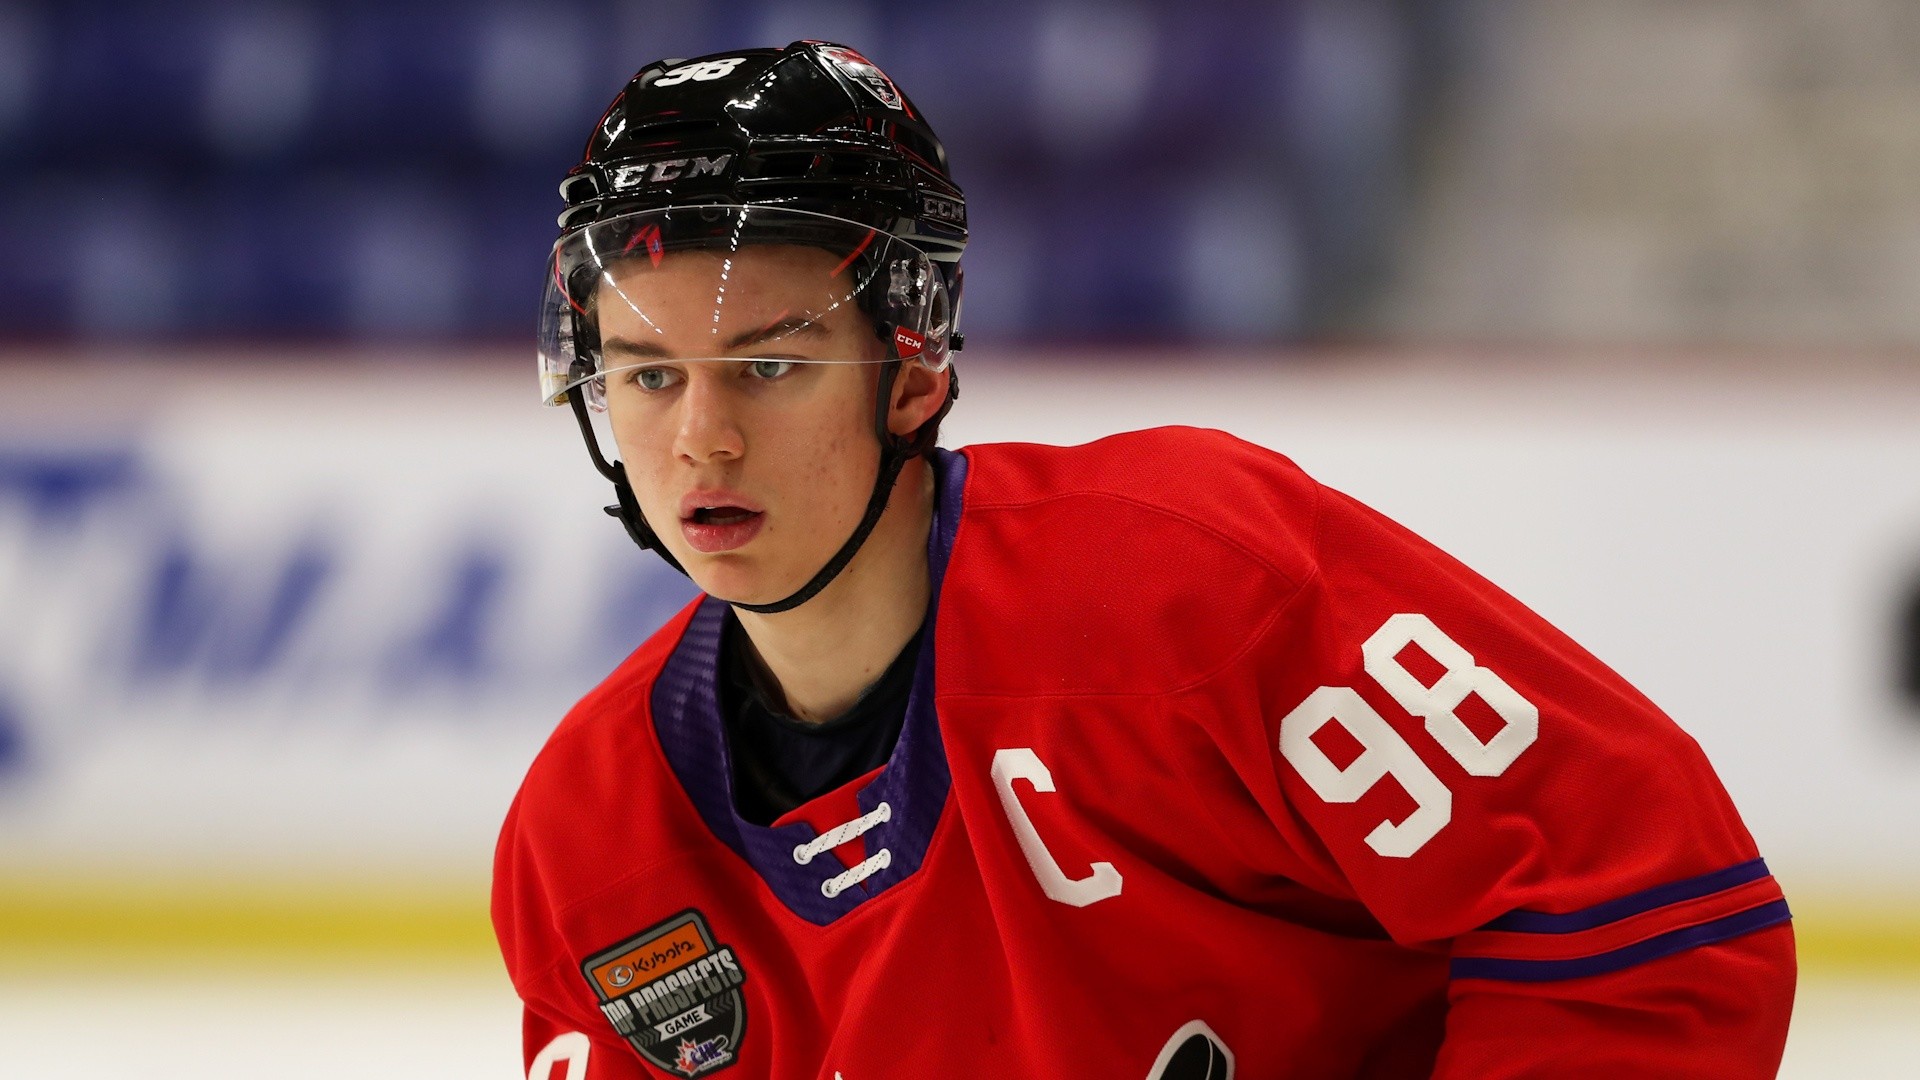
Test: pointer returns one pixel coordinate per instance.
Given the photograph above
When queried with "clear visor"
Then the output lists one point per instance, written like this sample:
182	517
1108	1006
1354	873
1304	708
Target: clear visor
636	297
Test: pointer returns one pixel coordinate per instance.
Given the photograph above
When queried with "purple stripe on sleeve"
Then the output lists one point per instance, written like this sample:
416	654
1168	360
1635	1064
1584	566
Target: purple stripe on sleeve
1653	948
1537	922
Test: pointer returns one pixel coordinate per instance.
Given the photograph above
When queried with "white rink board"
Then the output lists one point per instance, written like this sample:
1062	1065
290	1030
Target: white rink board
324	617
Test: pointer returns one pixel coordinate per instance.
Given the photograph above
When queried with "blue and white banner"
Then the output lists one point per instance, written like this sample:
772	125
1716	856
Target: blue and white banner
266	616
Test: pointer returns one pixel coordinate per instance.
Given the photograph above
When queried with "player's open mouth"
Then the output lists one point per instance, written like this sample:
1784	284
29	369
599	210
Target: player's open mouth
721	515
713	529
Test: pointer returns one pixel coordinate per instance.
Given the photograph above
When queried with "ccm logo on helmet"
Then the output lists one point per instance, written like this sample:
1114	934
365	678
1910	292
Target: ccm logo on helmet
941	208
641	174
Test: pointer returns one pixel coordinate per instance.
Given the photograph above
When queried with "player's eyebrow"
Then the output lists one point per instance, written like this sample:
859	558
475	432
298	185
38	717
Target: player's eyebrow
794	326
797	326
627	347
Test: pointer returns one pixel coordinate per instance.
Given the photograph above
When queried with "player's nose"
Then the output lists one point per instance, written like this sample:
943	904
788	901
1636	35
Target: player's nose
707	427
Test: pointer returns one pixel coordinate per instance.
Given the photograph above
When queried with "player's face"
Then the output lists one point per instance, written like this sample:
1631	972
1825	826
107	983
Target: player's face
755	470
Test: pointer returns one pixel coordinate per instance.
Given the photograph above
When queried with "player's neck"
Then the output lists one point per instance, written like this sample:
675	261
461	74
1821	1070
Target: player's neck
827	651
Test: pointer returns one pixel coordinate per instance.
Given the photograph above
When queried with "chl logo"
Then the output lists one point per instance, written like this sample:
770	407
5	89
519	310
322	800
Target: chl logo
864	73
674	994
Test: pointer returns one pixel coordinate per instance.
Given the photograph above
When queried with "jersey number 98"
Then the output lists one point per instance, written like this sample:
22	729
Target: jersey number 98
1385	753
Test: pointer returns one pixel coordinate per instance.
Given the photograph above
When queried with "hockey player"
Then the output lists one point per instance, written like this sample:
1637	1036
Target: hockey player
1146	758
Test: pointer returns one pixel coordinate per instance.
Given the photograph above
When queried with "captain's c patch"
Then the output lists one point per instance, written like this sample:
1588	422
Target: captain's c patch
673	993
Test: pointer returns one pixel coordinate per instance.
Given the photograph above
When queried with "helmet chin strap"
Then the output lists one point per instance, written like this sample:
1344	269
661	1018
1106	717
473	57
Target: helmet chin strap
895	452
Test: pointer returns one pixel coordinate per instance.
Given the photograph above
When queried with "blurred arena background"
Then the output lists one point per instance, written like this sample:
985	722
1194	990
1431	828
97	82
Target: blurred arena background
1618	302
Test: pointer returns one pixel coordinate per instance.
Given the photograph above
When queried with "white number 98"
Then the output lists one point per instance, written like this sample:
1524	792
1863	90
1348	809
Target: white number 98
1384	753
704	71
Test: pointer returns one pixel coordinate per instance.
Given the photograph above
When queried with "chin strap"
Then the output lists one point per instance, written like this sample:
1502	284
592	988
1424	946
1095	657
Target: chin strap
891	462
626	508
895	452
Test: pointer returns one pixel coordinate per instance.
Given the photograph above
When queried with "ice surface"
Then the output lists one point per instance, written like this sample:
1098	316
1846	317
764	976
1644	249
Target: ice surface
463	1022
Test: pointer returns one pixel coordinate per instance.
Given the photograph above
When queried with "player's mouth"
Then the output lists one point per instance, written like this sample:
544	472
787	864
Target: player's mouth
714	522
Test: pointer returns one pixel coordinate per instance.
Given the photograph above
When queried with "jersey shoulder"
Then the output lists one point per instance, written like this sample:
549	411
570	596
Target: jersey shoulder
1171	548
1207	486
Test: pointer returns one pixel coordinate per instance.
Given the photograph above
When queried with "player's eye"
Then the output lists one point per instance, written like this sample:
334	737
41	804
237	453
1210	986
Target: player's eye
768	369
651	378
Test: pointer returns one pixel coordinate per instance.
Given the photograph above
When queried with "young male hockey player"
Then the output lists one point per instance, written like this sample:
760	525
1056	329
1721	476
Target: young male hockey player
1147	758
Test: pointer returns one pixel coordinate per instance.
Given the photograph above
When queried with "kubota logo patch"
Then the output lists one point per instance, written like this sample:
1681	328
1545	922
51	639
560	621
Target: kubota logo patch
674	994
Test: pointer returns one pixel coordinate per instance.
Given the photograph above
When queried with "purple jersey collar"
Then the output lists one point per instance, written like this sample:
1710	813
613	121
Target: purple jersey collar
686	714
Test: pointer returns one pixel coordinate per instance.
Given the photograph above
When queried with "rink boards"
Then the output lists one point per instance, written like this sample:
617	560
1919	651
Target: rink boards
282	632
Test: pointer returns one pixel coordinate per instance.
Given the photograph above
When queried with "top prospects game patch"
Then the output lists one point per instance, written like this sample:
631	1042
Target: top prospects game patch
674	994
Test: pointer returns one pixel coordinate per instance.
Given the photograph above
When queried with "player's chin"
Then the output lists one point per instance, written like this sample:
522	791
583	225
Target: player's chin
741	579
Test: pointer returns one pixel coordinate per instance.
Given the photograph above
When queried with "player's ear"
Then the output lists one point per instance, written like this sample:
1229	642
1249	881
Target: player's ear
918	392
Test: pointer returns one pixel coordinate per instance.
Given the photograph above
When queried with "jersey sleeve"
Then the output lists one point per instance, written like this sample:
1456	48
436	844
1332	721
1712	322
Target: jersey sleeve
1484	786
556	1050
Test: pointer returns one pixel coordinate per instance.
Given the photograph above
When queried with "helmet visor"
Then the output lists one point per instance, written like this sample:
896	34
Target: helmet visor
633	299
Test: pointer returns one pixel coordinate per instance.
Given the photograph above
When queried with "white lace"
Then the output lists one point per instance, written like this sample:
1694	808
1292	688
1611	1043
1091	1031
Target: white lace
840	883
840	834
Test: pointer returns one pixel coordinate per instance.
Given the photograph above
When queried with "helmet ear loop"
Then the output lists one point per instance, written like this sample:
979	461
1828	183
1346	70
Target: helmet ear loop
956	280
886	299
889	330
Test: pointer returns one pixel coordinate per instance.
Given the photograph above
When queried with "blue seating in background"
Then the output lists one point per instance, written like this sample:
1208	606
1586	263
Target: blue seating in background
364	171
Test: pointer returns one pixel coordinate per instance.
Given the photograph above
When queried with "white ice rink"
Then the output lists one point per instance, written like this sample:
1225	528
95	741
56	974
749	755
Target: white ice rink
463	1023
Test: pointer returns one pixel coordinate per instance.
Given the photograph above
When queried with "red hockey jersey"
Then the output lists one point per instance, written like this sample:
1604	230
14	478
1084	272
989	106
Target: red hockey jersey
1207	771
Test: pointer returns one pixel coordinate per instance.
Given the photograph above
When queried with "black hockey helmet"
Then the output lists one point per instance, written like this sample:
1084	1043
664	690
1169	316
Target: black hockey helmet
811	145
814	126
